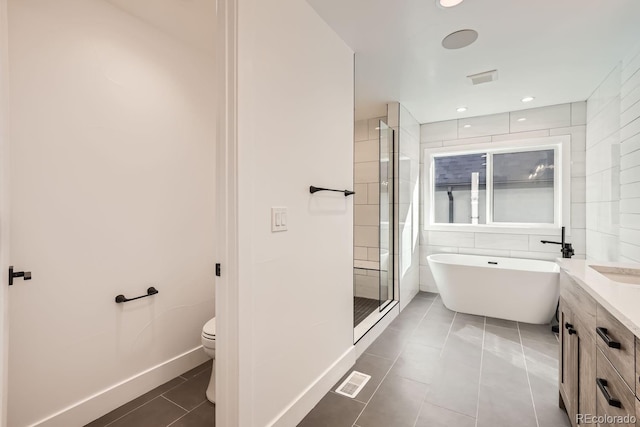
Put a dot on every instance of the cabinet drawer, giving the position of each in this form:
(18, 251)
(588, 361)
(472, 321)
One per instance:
(618, 345)
(613, 397)
(578, 300)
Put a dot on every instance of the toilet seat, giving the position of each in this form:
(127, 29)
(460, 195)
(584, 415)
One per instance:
(208, 339)
(209, 330)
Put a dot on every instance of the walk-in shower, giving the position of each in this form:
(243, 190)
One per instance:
(374, 219)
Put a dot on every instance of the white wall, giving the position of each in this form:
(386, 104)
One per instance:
(407, 210)
(295, 129)
(112, 138)
(613, 164)
(564, 119)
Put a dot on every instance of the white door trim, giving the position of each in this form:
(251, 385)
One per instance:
(227, 285)
(4, 208)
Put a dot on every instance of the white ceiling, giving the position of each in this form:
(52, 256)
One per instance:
(556, 50)
(190, 21)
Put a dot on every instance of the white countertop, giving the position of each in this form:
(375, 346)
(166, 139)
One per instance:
(620, 299)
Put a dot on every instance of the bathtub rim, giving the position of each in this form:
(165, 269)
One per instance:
(436, 258)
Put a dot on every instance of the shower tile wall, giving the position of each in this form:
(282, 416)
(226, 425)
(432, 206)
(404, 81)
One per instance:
(563, 119)
(367, 283)
(366, 251)
(367, 207)
(613, 165)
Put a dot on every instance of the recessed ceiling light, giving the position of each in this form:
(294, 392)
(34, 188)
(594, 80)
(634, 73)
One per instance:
(527, 99)
(467, 126)
(449, 3)
(461, 109)
(459, 39)
(522, 119)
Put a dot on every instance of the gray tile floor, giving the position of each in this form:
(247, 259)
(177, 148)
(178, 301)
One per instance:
(181, 402)
(433, 367)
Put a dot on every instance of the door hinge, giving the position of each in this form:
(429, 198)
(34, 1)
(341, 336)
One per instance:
(218, 270)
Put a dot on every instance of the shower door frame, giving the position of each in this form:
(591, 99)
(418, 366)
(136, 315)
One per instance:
(391, 189)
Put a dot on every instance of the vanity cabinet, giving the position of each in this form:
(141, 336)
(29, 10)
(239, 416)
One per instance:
(578, 366)
(599, 365)
(568, 368)
(617, 343)
(614, 398)
(577, 316)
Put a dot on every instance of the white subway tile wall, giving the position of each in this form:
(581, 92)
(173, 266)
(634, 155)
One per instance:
(513, 242)
(613, 165)
(366, 199)
(629, 207)
(564, 119)
(555, 116)
(493, 124)
(439, 131)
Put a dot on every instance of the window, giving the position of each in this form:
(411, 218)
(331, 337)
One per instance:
(499, 186)
(523, 187)
(460, 188)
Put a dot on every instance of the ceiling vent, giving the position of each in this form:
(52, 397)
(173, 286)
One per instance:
(486, 77)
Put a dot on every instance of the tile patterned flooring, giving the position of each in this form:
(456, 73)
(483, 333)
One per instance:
(433, 367)
(180, 402)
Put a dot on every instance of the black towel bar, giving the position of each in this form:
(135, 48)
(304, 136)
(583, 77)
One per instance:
(313, 189)
(121, 298)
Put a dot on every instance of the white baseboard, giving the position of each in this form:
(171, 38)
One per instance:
(310, 397)
(106, 400)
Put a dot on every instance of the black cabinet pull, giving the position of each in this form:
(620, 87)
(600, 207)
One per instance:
(568, 325)
(122, 298)
(572, 331)
(602, 385)
(603, 332)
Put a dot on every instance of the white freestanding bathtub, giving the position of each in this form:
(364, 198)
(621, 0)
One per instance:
(523, 290)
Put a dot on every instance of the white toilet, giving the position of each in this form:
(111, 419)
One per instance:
(209, 345)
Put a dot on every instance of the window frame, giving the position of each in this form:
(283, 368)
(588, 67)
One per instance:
(562, 184)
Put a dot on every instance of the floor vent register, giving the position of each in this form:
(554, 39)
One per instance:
(353, 384)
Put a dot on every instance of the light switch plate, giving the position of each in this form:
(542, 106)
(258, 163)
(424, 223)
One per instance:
(279, 219)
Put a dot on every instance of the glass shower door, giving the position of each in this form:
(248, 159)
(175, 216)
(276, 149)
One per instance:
(386, 191)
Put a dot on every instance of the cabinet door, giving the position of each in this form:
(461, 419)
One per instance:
(585, 353)
(568, 361)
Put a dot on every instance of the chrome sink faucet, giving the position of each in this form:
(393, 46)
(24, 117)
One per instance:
(566, 248)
